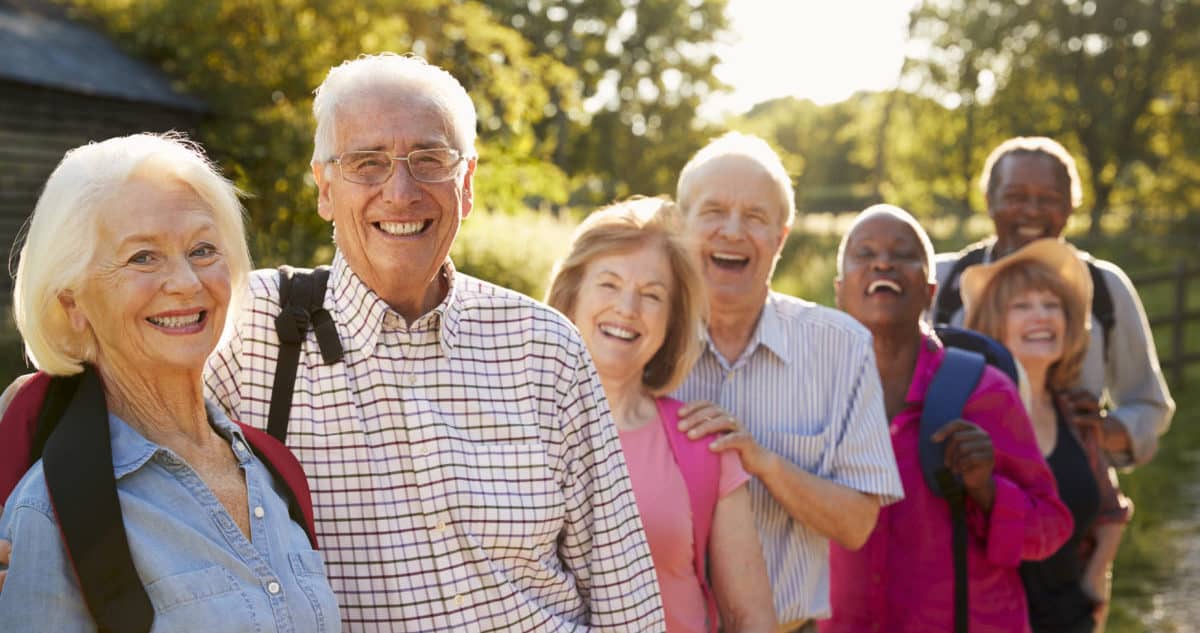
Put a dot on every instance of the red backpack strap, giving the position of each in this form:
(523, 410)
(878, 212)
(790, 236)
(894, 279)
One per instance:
(701, 470)
(18, 428)
(286, 468)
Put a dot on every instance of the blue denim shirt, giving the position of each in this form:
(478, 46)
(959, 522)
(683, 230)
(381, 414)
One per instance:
(198, 568)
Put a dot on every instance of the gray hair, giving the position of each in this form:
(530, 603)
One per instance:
(748, 146)
(894, 212)
(1068, 174)
(372, 73)
(62, 235)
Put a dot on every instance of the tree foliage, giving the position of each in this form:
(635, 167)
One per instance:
(256, 64)
(643, 68)
(1107, 78)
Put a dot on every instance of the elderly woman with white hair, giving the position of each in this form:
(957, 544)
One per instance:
(149, 509)
(903, 579)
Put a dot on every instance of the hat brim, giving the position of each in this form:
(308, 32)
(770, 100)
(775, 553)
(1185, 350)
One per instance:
(1053, 253)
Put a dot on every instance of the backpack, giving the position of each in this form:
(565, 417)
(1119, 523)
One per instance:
(949, 299)
(100, 557)
(967, 353)
(301, 294)
(64, 422)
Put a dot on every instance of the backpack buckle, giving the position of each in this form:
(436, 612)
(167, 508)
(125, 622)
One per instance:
(292, 324)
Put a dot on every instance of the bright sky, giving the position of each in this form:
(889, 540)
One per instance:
(824, 50)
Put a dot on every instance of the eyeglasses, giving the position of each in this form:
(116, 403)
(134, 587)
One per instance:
(375, 167)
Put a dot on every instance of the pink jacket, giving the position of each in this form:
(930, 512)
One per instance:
(902, 580)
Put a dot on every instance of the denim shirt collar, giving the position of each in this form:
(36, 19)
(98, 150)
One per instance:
(131, 451)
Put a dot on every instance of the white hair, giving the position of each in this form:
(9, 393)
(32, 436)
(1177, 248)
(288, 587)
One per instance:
(370, 74)
(62, 234)
(896, 213)
(748, 146)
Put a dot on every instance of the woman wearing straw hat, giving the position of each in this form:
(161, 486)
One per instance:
(1036, 301)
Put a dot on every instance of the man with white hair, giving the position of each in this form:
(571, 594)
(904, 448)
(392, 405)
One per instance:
(466, 475)
(794, 384)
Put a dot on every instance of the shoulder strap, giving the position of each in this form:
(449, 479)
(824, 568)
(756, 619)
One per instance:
(1102, 305)
(994, 352)
(951, 387)
(948, 393)
(18, 429)
(701, 470)
(286, 469)
(79, 476)
(301, 297)
(948, 300)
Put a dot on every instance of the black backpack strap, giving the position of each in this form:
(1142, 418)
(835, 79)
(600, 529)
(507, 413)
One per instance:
(77, 462)
(1102, 305)
(59, 393)
(948, 393)
(949, 300)
(301, 295)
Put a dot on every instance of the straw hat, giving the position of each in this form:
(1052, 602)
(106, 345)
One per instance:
(1053, 253)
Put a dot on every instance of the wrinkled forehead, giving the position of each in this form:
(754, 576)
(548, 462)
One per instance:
(388, 111)
(732, 179)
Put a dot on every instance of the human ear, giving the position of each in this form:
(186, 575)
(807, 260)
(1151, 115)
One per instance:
(75, 315)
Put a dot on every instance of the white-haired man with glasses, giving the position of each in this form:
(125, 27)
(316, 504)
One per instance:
(466, 474)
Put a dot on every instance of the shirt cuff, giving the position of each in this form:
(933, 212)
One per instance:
(1003, 529)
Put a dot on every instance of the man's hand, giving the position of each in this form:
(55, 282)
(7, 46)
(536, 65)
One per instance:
(702, 418)
(969, 454)
(1083, 409)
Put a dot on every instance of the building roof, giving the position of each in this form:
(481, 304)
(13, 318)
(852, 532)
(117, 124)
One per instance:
(42, 46)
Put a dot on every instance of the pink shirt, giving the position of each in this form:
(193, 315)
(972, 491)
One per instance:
(662, 500)
(902, 580)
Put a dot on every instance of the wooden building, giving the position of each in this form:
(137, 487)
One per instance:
(63, 84)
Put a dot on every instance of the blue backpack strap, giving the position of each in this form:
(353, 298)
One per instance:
(948, 392)
(994, 352)
(945, 398)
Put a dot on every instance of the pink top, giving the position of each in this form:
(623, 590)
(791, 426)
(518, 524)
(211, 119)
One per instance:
(902, 580)
(662, 500)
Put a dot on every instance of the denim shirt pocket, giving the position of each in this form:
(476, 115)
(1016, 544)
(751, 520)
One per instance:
(309, 570)
(193, 600)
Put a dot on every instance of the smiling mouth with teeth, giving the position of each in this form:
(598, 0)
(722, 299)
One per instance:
(178, 322)
(884, 285)
(729, 261)
(619, 332)
(402, 229)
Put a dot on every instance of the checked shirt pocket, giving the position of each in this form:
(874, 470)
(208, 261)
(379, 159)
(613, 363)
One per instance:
(511, 501)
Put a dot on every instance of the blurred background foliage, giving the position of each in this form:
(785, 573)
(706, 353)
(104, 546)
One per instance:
(583, 102)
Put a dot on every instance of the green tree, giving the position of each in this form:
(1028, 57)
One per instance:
(256, 64)
(643, 68)
(1102, 76)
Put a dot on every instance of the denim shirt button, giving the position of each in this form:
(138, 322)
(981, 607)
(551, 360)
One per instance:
(259, 512)
(272, 587)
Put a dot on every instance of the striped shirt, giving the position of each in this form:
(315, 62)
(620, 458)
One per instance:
(465, 471)
(806, 388)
